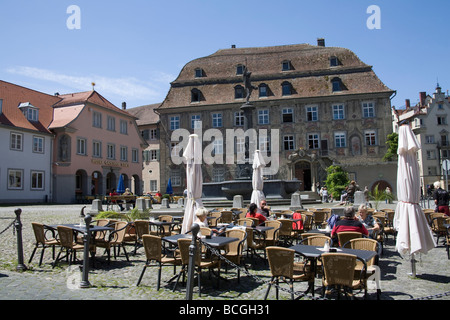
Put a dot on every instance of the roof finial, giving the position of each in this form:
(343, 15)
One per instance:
(93, 86)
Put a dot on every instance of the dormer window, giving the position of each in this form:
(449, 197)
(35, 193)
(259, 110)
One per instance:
(29, 111)
(286, 65)
(239, 69)
(286, 88)
(334, 62)
(199, 73)
(263, 90)
(196, 95)
(239, 92)
(337, 85)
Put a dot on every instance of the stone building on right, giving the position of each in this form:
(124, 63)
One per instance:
(429, 122)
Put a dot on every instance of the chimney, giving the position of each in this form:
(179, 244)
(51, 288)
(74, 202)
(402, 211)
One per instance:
(124, 106)
(233, 46)
(408, 103)
(423, 96)
(321, 42)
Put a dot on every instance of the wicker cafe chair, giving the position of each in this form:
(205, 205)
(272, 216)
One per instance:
(167, 229)
(255, 242)
(272, 236)
(142, 228)
(211, 262)
(287, 234)
(42, 242)
(114, 240)
(360, 271)
(316, 240)
(320, 218)
(346, 236)
(67, 242)
(248, 222)
(437, 225)
(214, 218)
(281, 263)
(389, 224)
(226, 217)
(307, 220)
(233, 250)
(338, 271)
(153, 252)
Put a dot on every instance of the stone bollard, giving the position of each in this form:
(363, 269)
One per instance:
(96, 207)
(296, 201)
(165, 203)
(359, 198)
(181, 202)
(238, 201)
(148, 203)
(140, 204)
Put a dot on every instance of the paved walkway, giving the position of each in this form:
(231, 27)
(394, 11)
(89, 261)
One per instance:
(117, 281)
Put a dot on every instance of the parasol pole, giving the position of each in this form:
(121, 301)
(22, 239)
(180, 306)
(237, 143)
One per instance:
(413, 265)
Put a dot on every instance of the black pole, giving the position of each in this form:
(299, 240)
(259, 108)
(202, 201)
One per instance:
(18, 225)
(192, 254)
(86, 237)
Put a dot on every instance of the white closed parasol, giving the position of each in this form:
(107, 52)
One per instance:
(414, 234)
(194, 181)
(257, 178)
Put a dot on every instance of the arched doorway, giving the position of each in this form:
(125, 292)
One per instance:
(137, 184)
(81, 184)
(302, 172)
(382, 185)
(111, 182)
(96, 186)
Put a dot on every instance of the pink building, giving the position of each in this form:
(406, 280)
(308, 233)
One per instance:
(95, 142)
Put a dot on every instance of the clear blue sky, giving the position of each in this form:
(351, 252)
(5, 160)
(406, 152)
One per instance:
(133, 49)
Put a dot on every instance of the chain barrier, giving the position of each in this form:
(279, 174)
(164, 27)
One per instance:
(10, 225)
(436, 296)
(217, 253)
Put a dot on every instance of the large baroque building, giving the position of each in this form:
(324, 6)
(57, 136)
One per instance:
(311, 105)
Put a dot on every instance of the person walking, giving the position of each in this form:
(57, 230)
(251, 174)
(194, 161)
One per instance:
(441, 198)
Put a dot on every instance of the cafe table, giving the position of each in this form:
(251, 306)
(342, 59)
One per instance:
(216, 242)
(312, 253)
(79, 228)
(161, 224)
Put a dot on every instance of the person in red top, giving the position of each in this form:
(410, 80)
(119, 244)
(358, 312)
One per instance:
(252, 213)
(114, 193)
(348, 223)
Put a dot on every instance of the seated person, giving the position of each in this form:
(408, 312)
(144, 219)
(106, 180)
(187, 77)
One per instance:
(366, 219)
(200, 219)
(252, 213)
(348, 223)
(128, 193)
(263, 208)
(114, 193)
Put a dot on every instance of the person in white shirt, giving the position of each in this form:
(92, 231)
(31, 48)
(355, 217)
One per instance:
(201, 214)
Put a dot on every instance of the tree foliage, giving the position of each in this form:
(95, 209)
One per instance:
(392, 142)
(337, 180)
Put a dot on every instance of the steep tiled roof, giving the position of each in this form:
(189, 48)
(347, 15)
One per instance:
(85, 97)
(12, 95)
(310, 75)
(145, 114)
